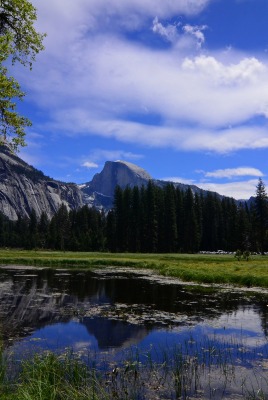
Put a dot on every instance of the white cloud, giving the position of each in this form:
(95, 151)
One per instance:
(246, 71)
(234, 172)
(196, 32)
(238, 190)
(169, 32)
(241, 190)
(223, 141)
(180, 36)
(89, 164)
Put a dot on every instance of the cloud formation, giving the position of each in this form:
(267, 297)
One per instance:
(234, 172)
(242, 190)
(239, 190)
(196, 32)
(92, 78)
(89, 164)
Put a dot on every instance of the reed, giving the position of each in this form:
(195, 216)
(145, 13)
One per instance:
(189, 370)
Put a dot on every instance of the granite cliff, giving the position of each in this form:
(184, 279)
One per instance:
(23, 189)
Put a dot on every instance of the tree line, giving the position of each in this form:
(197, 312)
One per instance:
(148, 219)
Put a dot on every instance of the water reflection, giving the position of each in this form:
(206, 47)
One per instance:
(106, 310)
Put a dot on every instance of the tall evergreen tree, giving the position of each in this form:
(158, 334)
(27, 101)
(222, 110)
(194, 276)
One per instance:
(119, 218)
(61, 224)
(33, 231)
(151, 220)
(190, 237)
(179, 218)
(261, 208)
(135, 233)
(171, 234)
(111, 231)
(43, 228)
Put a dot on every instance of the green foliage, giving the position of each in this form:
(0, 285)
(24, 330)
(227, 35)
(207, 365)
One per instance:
(12, 124)
(19, 42)
(261, 214)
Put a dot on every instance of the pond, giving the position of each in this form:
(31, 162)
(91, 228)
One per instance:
(187, 340)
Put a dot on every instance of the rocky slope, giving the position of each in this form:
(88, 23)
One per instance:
(23, 188)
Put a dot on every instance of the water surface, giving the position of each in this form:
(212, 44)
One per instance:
(107, 313)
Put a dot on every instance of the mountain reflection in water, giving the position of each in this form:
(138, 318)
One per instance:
(115, 310)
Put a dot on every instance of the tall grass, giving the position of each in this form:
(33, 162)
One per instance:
(52, 377)
(191, 370)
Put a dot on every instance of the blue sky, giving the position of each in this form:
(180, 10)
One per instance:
(178, 87)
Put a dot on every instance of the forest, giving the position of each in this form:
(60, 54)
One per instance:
(148, 220)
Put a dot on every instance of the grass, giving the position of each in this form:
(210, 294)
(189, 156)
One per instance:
(221, 269)
(51, 377)
(183, 372)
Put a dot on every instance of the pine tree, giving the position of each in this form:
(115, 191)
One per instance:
(119, 218)
(33, 231)
(190, 237)
(43, 227)
(179, 217)
(135, 233)
(171, 234)
(62, 227)
(152, 221)
(261, 208)
(111, 231)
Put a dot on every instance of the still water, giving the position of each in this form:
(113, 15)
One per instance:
(107, 313)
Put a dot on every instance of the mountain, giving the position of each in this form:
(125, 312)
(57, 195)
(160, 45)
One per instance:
(23, 188)
(99, 192)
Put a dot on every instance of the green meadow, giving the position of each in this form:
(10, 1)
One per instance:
(202, 268)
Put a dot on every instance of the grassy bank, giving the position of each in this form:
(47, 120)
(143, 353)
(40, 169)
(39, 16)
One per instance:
(188, 267)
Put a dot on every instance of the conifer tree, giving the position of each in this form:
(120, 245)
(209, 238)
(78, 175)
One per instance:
(171, 234)
(261, 208)
(190, 237)
(152, 221)
(135, 233)
(43, 228)
(111, 231)
(119, 217)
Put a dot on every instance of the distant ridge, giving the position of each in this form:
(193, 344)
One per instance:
(23, 188)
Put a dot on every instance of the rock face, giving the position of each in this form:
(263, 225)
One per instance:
(23, 189)
(100, 190)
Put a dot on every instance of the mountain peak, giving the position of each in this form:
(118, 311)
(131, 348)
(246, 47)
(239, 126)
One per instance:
(121, 173)
(136, 169)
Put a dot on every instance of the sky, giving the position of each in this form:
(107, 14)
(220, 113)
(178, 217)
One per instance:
(178, 87)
